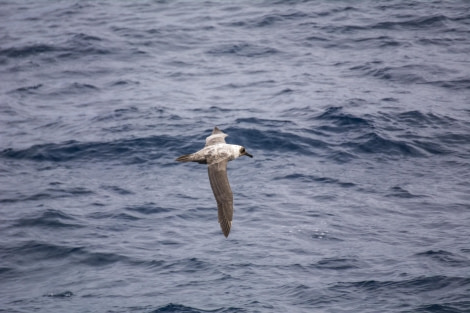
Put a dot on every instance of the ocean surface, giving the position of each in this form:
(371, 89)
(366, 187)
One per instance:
(357, 114)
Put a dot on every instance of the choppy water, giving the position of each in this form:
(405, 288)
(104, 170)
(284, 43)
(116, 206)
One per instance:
(357, 113)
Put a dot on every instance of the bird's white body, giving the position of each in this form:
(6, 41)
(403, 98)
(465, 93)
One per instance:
(216, 154)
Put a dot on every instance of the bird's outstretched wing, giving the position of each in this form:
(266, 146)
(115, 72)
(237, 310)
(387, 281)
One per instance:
(223, 194)
(216, 137)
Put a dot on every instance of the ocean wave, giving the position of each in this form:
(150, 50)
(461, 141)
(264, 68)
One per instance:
(401, 192)
(386, 133)
(148, 209)
(179, 308)
(405, 74)
(243, 49)
(40, 251)
(113, 216)
(419, 119)
(37, 251)
(49, 219)
(436, 286)
(48, 194)
(318, 179)
(336, 120)
(78, 45)
(415, 23)
(457, 306)
(45, 91)
(423, 74)
(453, 84)
(420, 284)
(338, 264)
(277, 140)
(373, 143)
(267, 20)
(28, 50)
(63, 294)
(445, 258)
(133, 150)
(29, 89)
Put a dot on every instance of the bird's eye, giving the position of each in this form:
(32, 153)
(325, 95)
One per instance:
(242, 150)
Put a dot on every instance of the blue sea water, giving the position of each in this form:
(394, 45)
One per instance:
(357, 114)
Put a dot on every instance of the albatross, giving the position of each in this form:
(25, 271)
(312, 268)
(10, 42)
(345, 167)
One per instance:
(216, 154)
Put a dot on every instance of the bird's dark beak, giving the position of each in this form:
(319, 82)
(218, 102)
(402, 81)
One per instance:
(247, 154)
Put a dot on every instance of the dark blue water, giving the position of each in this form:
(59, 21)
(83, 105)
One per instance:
(357, 114)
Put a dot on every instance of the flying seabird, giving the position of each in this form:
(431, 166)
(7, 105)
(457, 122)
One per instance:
(216, 154)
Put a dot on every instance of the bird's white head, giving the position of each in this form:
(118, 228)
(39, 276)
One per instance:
(239, 151)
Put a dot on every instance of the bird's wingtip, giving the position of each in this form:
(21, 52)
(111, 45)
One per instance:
(225, 225)
(216, 131)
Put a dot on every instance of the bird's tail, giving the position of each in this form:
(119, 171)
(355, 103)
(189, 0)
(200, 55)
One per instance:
(185, 158)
